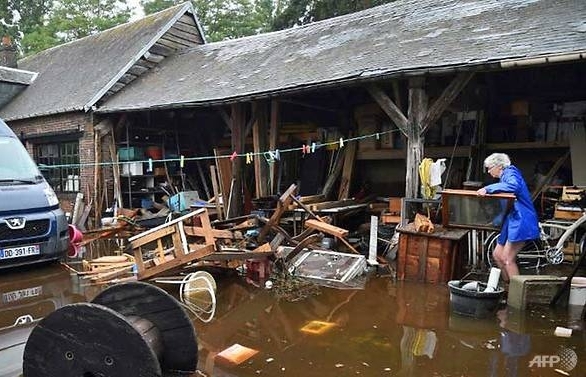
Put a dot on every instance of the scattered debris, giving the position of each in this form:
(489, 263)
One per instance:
(236, 354)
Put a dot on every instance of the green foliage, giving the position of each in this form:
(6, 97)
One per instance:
(36, 25)
(153, 6)
(301, 12)
(74, 19)
(224, 19)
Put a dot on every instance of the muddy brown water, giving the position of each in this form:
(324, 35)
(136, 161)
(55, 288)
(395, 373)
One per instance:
(386, 329)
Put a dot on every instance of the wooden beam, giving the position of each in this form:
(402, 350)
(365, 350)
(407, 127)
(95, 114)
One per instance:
(333, 177)
(273, 145)
(445, 99)
(347, 171)
(238, 126)
(389, 107)
(282, 206)
(225, 117)
(416, 113)
(260, 144)
(217, 192)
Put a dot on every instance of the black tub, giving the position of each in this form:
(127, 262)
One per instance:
(477, 304)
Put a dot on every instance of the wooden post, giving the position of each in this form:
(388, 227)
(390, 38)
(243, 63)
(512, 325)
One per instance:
(416, 113)
(259, 139)
(273, 144)
(238, 126)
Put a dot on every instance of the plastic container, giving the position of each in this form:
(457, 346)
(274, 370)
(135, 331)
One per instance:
(473, 303)
(578, 291)
(75, 235)
(130, 153)
(154, 152)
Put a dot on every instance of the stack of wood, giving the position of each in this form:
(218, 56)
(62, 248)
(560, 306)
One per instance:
(108, 268)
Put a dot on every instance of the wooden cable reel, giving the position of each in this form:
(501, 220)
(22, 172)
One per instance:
(131, 329)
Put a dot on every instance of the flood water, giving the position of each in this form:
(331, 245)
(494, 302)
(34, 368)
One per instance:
(388, 328)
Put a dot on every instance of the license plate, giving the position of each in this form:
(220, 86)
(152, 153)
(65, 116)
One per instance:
(22, 294)
(17, 252)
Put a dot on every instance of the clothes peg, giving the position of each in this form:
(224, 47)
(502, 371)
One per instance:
(341, 142)
(150, 167)
(182, 162)
(233, 156)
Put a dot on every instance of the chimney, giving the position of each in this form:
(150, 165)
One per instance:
(7, 53)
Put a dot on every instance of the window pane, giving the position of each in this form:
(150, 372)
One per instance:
(62, 164)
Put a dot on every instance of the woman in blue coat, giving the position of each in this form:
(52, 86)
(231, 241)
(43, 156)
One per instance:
(520, 224)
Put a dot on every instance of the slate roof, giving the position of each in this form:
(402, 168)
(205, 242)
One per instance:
(72, 74)
(403, 36)
(12, 82)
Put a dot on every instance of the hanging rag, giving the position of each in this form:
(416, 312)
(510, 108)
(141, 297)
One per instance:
(430, 174)
(427, 191)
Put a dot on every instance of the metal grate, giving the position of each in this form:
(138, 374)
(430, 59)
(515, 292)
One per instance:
(33, 228)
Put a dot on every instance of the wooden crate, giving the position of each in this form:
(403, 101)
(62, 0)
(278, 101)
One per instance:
(430, 257)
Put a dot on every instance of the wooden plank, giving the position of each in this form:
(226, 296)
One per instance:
(347, 171)
(217, 192)
(333, 177)
(331, 204)
(503, 195)
(326, 228)
(282, 206)
(224, 169)
(237, 255)
(168, 224)
(216, 233)
(152, 237)
(312, 198)
(176, 262)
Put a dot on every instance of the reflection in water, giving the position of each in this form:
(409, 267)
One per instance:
(386, 329)
(29, 295)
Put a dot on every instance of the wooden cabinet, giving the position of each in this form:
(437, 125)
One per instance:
(430, 257)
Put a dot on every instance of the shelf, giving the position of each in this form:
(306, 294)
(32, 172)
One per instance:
(460, 151)
(400, 154)
(143, 192)
(527, 145)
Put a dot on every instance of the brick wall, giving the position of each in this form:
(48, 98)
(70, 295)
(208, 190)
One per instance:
(75, 121)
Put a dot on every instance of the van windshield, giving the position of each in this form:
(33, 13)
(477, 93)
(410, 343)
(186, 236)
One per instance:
(16, 165)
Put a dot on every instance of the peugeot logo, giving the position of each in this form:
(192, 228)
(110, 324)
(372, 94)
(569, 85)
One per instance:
(16, 222)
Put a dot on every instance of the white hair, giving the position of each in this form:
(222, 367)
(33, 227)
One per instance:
(497, 159)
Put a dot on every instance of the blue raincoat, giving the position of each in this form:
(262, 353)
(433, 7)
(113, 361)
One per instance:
(521, 223)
